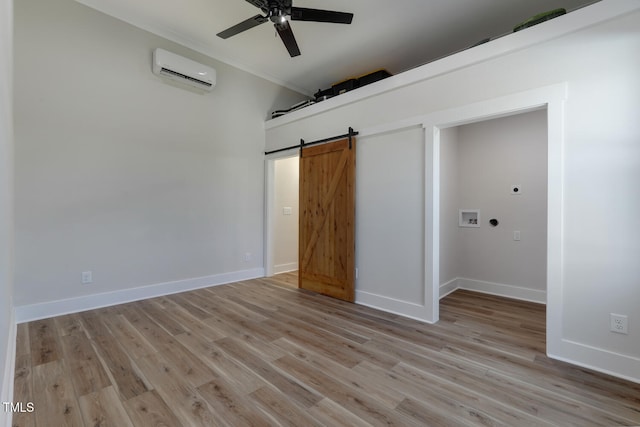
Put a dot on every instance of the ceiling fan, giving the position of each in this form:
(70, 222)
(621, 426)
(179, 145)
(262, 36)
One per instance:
(277, 12)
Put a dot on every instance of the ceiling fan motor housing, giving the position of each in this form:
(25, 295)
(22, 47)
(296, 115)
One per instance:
(277, 12)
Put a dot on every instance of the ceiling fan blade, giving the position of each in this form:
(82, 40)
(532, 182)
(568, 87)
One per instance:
(243, 26)
(260, 4)
(289, 40)
(318, 15)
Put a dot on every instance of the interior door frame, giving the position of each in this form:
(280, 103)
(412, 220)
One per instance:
(269, 203)
(552, 98)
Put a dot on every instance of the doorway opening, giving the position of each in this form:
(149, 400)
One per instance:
(493, 207)
(282, 212)
(551, 99)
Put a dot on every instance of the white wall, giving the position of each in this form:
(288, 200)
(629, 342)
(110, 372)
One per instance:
(7, 326)
(600, 163)
(491, 156)
(286, 180)
(389, 215)
(117, 172)
(450, 258)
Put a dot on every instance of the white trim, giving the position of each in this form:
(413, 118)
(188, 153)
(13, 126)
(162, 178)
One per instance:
(269, 219)
(449, 287)
(583, 18)
(432, 221)
(503, 290)
(393, 305)
(285, 268)
(491, 288)
(555, 224)
(600, 360)
(26, 313)
(552, 97)
(9, 369)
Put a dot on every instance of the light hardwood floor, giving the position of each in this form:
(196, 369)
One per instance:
(260, 353)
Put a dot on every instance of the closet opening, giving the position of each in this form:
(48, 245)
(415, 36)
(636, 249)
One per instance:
(281, 228)
(493, 209)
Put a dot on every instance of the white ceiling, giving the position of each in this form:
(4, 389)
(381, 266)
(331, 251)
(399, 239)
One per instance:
(394, 35)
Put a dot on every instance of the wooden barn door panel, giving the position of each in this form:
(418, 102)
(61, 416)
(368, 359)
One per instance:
(327, 219)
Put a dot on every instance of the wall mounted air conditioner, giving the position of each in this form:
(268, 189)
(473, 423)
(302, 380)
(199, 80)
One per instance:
(183, 70)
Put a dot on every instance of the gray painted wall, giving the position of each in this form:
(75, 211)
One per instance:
(6, 205)
(286, 180)
(479, 169)
(119, 173)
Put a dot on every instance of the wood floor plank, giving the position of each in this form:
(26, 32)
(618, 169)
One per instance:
(132, 341)
(329, 413)
(154, 308)
(23, 387)
(230, 406)
(82, 365)
(241, 378)
(181, 396)
(104, 408)
(281, 408)
(188, 365)
(304, 396)
(262, 352)
(54, 399)
(23, 343)
(149, 410)
(437, 413)
(121, 368)
(386, 397)
(43, 341)
(68, 324)
(172, 313)
(351, 399)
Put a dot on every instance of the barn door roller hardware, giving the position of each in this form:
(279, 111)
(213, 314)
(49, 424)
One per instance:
(303, 144)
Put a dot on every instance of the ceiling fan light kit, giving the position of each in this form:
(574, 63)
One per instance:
(277, 12)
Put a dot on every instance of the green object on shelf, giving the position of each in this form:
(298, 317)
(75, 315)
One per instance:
(539, 18)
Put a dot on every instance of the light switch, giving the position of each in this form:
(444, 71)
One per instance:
(287, 210)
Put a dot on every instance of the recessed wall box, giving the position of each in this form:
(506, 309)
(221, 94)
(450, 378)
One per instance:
(469, 218)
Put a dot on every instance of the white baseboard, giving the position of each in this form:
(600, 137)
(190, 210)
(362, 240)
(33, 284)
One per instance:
(26, 313)
(285, 268)
(500, 289)
(598, 359)
(448, 287)
(391, 305)
(6, 417)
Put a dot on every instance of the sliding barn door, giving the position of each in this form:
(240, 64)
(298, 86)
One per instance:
(327, 219)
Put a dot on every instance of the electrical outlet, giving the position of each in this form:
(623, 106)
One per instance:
(87, 277)
(247, 257)
(619, 323)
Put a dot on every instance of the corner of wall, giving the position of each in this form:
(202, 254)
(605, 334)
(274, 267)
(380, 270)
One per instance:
(597, 359)
(27, 313)
(8, 371)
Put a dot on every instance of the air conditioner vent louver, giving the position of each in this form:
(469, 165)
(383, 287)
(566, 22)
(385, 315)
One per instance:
(183, 76)
(183, 70)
